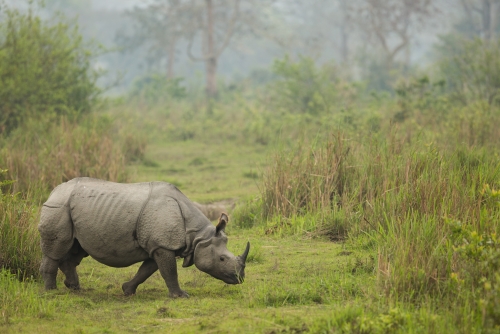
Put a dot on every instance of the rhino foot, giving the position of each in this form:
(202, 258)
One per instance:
(178, 294)
(72, 286)
(129, 289)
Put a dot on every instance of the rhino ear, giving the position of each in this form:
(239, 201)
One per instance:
(222, 223)
(188, 261)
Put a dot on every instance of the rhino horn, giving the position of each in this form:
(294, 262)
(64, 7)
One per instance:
(243, 256)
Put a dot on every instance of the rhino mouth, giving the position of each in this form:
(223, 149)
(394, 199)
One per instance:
(234, 279)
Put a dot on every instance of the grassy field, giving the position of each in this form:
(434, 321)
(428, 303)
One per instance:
(203, 171)
(292, 284)
(296, 283)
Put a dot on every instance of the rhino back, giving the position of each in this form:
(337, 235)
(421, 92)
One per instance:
(104, 216)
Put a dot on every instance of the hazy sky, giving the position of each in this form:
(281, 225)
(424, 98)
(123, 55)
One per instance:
(118, 4)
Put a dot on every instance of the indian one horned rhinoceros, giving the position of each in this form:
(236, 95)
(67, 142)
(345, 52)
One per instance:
(122, 224)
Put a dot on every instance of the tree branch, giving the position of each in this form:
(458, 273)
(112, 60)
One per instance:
(231, 29)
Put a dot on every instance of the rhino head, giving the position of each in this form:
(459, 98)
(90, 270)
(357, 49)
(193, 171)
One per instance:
(213, 257)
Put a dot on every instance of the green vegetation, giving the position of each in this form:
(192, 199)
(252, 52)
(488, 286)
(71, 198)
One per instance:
(20, 243)
(44, 69)
(367, 212)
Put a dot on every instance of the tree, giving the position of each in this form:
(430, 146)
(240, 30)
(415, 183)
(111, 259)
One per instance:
(482, 16)
(210, 23)
(217, 26)
(159, 26)
(392, 24)
(45, 68)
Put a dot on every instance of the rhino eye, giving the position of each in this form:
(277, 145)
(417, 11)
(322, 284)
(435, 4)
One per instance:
(222, 258)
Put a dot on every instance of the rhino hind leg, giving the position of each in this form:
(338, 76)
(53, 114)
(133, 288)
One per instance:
(69, 263)
(165, 259)
(48, 270)
(147, 268)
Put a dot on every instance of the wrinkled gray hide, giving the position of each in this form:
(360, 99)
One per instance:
(122, 224)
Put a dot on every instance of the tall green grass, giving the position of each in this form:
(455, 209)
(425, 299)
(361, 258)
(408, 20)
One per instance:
(21, 299)
(19, 240)
(409, 194)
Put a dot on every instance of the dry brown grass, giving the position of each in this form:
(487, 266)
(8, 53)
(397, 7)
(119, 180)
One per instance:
(45, 155)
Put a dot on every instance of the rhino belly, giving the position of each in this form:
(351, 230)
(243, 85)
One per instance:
(105, 217)
(117, 253)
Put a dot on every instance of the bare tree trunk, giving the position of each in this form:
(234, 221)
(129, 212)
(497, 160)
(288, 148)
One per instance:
(211, 62)
(344, 35)
(486, 18)
(494, 18)
(171, 58)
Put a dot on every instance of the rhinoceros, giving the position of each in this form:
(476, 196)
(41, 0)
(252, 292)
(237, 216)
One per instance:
(121, 224)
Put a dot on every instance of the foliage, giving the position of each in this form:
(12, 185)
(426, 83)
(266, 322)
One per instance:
(303, 88)
(156, 88)
(471, 68)
(45, 69)
(477, 261)
(19, 241)
(421, 96)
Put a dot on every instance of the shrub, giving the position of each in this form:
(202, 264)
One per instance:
(471, 68)
(303, 88)
(44, 69)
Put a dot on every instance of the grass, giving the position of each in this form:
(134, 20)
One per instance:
(205, 172)
(296, 285)
(292, 279)
(19, 240)
(393, 265)
(44, 153)
(357, 231)
(22, 300)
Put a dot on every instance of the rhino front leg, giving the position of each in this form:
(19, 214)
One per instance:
(165, 260)
(147, 268)
(69, 263)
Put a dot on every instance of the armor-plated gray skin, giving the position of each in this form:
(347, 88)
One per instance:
(122, 224)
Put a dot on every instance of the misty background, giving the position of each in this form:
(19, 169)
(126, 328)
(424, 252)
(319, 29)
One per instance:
(369, 40)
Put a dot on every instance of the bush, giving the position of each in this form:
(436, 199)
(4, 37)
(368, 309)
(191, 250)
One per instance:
(402, 193)
(471, 68)
(44, 69)
(303, 88)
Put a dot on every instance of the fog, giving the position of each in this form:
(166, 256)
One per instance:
(155, 36)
